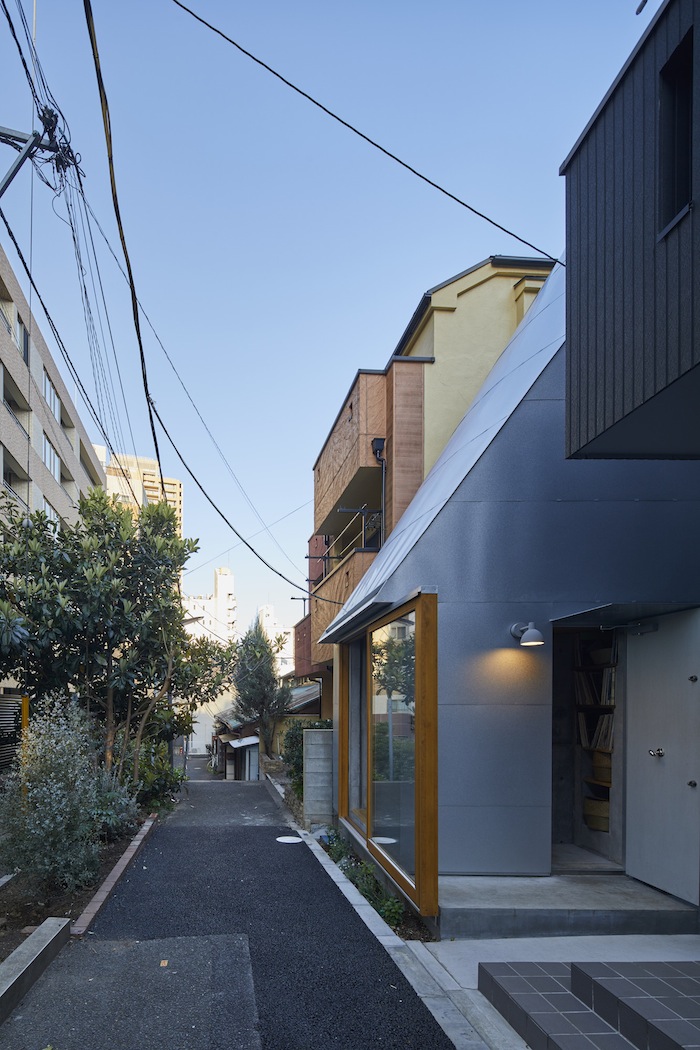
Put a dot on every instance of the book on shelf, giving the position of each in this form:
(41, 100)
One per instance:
(603, 735)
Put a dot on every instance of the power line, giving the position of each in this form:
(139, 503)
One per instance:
(117, 214)
(361, 134)
(251, 537)
(227, 522)
(265, 526)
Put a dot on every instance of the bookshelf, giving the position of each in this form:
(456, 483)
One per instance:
(595, 669)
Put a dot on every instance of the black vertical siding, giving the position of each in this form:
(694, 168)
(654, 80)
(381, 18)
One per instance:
(631, 295)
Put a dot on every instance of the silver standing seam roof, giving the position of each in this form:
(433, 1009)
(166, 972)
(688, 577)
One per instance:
(537, 339)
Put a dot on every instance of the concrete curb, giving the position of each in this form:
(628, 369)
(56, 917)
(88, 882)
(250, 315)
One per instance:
(82, 923)
(27, 963)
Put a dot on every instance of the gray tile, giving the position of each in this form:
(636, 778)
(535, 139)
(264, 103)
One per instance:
(533, 1002)
(572, 1042)
(648, 1007)
(519, 984)
(563, 1001)
(681, 1032)
(633, 1026)
(588, 1022)
(535, 1036)
(612, 1041)
(525, 969)
(683, 1005)
(651, 986)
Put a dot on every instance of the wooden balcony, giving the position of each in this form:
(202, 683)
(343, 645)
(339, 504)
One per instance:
(347, 470)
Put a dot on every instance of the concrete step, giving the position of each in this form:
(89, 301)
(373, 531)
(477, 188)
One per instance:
(479, 907)
(583, 1006)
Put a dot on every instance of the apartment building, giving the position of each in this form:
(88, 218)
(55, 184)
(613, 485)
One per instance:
(48, 461)
(213, 615)
(135, 481)
(395, 422)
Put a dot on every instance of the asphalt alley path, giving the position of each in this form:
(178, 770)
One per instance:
(221, 937)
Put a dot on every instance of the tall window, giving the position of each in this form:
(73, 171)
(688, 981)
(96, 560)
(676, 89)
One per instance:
(675, 132)
(52, 459)
(23, 339)
(393, 654)
(51, 397)
(50, 511)
(387, 741)
(357, 735)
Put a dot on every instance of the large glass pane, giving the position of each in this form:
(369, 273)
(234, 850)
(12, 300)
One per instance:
(357, 735)
(393, 726)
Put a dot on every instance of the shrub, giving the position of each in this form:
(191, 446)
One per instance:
(116, 809)
(158, 781)
(293, 750)
(48, 809)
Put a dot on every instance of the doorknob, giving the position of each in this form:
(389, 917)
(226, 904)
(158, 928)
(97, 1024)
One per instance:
(659, 753)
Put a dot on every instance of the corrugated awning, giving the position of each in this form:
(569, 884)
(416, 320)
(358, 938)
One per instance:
(246, 741)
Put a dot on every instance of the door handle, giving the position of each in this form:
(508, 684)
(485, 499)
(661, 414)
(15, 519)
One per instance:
(659, 753)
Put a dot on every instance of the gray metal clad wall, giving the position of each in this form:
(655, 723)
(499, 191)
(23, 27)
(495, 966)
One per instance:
(630, 297)
(531, 535)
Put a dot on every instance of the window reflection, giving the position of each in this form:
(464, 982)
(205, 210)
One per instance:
(393, 740)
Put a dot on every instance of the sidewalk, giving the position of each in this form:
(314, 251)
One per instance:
(223, 935)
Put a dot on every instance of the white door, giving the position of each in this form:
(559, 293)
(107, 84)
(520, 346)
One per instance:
(663, 756)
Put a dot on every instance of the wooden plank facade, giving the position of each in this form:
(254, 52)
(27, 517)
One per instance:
(633, 265)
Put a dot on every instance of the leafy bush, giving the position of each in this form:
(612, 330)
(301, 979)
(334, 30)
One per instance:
(116, 809)
(293, 749)
(158, 781)
(48, 809)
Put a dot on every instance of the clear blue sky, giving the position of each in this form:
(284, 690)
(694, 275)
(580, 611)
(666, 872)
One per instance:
(275, 252)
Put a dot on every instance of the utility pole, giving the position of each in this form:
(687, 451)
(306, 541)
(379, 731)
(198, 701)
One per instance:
(35, 141)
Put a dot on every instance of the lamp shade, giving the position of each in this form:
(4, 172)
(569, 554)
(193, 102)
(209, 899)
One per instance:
(531, 636)
(527, 634)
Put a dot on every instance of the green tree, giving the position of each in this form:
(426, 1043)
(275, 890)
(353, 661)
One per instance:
(259, 696)
(94, 609)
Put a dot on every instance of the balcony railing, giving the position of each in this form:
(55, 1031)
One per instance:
(15, 495)
(12, 413)
(362, 533)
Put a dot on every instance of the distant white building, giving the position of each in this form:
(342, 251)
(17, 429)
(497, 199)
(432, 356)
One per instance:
(211, 616)
(285, 657)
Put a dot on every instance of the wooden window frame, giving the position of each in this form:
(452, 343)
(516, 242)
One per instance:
(423, 890)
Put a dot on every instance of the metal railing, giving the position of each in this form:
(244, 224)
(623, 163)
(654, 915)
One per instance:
(14, 416)
(15, 495)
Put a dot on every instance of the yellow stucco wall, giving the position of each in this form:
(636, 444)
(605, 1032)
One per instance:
(469, 323)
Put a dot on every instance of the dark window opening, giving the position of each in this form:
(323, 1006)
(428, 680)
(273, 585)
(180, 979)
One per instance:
(675, 127)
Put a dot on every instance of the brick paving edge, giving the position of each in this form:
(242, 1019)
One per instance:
(81, 925)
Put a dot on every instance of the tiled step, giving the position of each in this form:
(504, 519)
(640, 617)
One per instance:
(656, 1006)
(536, 1000)
(598, 1006)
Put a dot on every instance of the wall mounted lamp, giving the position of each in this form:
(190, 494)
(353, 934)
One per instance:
(527, 633)
(378, 447)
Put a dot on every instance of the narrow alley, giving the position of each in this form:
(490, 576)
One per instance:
(223, 935)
